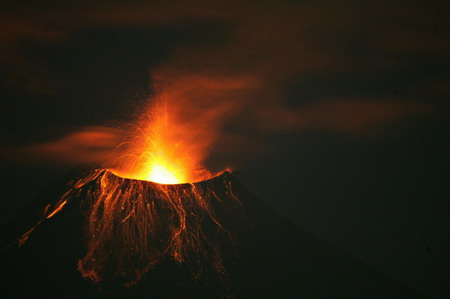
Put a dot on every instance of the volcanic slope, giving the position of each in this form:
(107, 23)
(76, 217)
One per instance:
(268, 258)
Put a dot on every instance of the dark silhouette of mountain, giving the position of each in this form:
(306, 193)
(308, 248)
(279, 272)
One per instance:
(271, 258)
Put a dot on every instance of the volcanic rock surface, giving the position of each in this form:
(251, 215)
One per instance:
(270, 258)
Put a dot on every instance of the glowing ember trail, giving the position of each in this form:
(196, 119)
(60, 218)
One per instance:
(146, 209)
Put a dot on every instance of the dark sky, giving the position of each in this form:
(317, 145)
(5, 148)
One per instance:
(335, 112)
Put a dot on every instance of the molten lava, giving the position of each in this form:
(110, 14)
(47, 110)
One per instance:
(160, 149)
(137, 218)
(162, 173)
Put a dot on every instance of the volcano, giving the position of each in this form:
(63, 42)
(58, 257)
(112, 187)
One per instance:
(236, 246)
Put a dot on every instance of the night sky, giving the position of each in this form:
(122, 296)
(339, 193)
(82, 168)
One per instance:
(334, 114)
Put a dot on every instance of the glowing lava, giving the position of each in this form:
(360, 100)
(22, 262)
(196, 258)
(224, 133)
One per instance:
(161, 173)
(132, 225)
(160, 149)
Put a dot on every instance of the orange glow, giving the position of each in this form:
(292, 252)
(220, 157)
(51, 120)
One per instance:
(58, 208)
(134, 225)
(161, 150)
(163, 173)
(145, 207)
